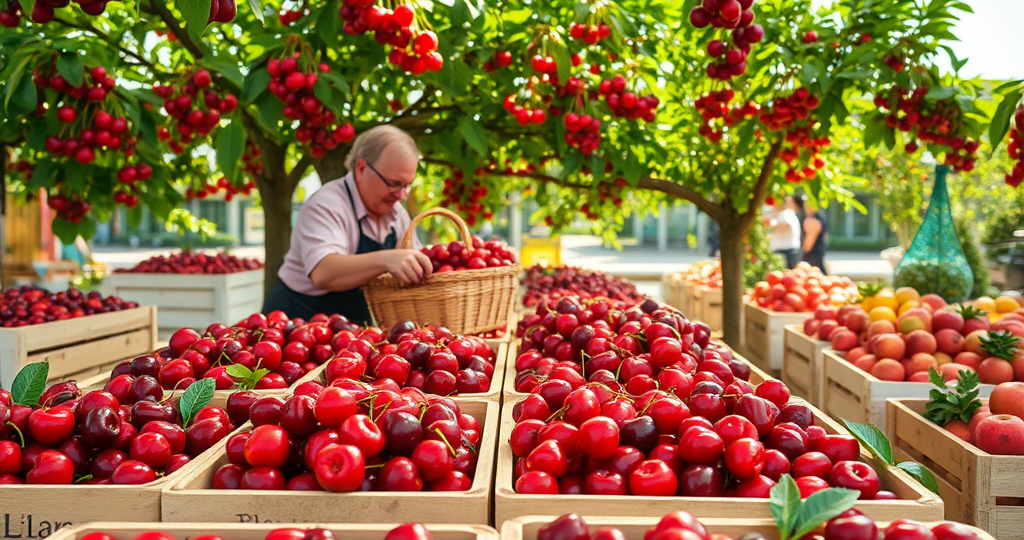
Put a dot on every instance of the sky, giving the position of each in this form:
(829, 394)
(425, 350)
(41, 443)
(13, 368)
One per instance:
(992, 39)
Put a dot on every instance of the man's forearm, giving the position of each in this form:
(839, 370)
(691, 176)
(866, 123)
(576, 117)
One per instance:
(338, 272)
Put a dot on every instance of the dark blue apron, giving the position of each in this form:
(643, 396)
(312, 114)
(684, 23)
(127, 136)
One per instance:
(350, 303)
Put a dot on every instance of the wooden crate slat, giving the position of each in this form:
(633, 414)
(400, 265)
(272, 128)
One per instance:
(190, 499)
(78, 358)
(709, 306)
(253, 531)
(60, 333)
(802, 364)
(765, 335)
(1007, 523)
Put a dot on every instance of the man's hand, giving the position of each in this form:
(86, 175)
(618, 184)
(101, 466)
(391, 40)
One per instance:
(408, 266)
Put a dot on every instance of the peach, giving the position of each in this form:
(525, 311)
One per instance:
(949, 341)
(1014, 327)
(844, 312)
(825, 328)
(921, 362)
(915, 319)
(944, 319)
(960, 429)
(881, 327)
(1008, 398)
(1018, 365)
(811, 327)
(866, 363)
(882, 313)
(906, 294)
(826, 313)
(985, 303)
(853, 354)
(890, 346)
(920, 341)
(942, 358)
(857, 320)
(972, 342)
(1013, 317)
(949, 371)
(919, 377)
(979, 415)
(844, 340)
(968, 359)
(973, 325)
(934, 300)
(889, 370)
(995, 371)
(1001, 435)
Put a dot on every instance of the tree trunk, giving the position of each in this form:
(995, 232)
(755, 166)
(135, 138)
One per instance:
(277, 188)
(332, 165)
(732, 239)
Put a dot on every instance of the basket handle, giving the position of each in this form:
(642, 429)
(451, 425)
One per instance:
(467, 239)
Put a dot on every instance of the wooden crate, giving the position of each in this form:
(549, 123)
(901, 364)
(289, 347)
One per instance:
(802, 360)
(526, 527)
(972, 482)
(916, 501)
(855, 395)
(37, 510)
(192, 301)
(708, 306)
(191, 499)
(763, 335)
(78, 348)
(510, 329)
(254, 531)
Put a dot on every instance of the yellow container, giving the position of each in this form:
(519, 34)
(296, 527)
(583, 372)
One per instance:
(542, 251)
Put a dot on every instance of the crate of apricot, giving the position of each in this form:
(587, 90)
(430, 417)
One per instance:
(375, 454)
(471, 290)
(69, 456)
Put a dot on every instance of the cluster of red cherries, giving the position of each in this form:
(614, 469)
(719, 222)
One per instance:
(715, 105)
(849, 525)
(501, 59)
(465, 197)
(413, 49)
(431, 359)
(556, 283)
(10, 16)
(625, 103)
(194, 107)
(456, 256)
(929, 122)
(222, 11)
(279, 349)
(187, 262)
(591, 34)
(406, 531)
(290, 17)
(223, 184)
(101, 437)
(293, 85)
(524, 115)
(801, 140)
(737, 17)
(353, 438)
(1016, 148)
(582, 132)
(43, 11)
(27, 305)
(71, 209)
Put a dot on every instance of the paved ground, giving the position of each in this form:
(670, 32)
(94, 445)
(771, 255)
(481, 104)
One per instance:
(585, 251)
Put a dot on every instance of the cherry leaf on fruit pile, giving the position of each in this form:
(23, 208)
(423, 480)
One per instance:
(245, 377)
(822, 506)
(196, 396)
(30, 383)
(70, 66)
(921, 474)
(785, 505)
(948, 404)
(196, 13)
(873, 438)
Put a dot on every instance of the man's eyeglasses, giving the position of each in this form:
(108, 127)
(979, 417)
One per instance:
(395, 188)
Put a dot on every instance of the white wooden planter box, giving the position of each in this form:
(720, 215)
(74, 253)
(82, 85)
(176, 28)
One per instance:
(191, 300)
(802, 360)
(763, 337)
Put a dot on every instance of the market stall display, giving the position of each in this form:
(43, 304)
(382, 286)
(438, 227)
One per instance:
(544, 283)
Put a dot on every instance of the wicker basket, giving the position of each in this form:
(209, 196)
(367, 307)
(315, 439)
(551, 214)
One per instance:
(466, 302)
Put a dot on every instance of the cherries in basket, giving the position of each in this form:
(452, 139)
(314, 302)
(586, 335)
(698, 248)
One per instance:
(406, 531)
(454, 256)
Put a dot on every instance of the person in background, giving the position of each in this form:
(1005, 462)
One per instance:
(815, 235)
(785, 226)
(713, 240)
(347, 232)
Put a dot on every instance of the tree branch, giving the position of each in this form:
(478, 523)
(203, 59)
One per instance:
(300, 168)
(106, 37)
(760, 192)
(159, 8)
(679, 191)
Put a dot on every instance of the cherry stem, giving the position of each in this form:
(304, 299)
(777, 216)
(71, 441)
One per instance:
(21, 436)
(445, 441)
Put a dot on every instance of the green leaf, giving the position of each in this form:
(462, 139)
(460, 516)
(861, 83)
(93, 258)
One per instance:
(257, 10)
(937, 93)
(196, 396)
(1001, 119)
(822, 506)
(936, 378)
(563, 59)
(70, 66)
(14, 81)
(517, 16)
(25, 97)
(873, 438)
(921, 474)
(43, 175)
(254, 85)
(238, 371)
(322, 90)
(230, 147)
(327, 24)
(224, 67)
(27, 6)
(474, 134)
(196, 13)
(30, 383)
(785, 505)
